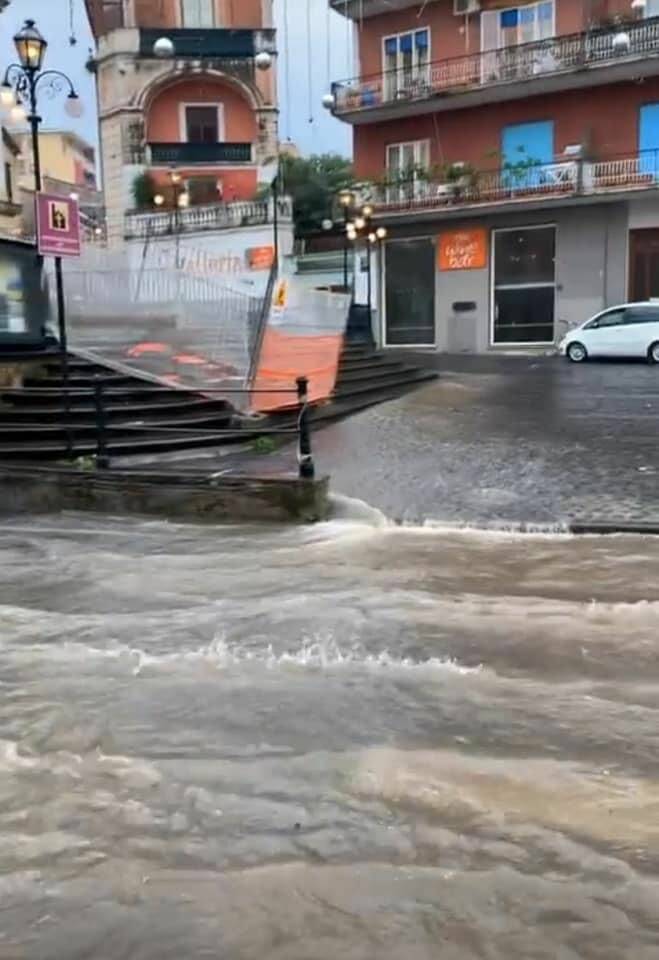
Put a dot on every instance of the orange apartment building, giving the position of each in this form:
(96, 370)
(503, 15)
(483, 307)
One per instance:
(512, 151)
(184, 86)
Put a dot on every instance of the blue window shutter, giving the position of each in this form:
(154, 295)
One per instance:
(390, 45)
(421, 39)
(527, 15)
(648, 138)
(406, 43)
(546, 11)
(509, 18)
(528, 141)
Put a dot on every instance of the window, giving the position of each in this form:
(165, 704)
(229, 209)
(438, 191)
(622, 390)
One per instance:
(405, 63)
(524, 285)
(405, 161)
(651, 8)
(524, 148)
(202, 123)
(503, 29)
(612, 318)
(642, 315)
(197, 13)
(515, 25)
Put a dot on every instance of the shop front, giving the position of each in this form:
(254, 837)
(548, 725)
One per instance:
(507, 283)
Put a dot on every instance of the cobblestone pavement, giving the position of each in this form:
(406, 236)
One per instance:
(507, 440)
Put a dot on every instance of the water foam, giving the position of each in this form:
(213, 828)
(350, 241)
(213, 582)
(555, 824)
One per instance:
(318, 652)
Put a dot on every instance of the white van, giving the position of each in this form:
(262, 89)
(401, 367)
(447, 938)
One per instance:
(629, 330)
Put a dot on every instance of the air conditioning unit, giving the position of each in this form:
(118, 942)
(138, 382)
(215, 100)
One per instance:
(462, 7)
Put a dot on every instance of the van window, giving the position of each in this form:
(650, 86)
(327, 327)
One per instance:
(612, 318)
(642, 315)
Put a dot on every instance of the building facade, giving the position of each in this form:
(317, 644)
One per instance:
(10, 208)
(65, 157)
(185, 86)
(512, 151)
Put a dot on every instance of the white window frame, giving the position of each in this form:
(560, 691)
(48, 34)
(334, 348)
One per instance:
(518, 6)
(519, 286)
(420, 148)
(199, 26)
(393, 82)
(183, 126)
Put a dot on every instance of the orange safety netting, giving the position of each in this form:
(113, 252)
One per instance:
(285, 357)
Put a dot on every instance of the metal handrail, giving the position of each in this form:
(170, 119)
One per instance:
(565, 176)
(490, 67)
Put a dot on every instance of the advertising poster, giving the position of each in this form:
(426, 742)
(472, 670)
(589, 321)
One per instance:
(24, 305)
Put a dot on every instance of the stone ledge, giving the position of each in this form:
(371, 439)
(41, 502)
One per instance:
(182, 496)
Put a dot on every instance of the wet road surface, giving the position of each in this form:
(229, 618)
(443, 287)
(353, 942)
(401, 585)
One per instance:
(507, 440)
(355, 740)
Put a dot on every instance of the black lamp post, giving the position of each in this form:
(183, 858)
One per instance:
(346, 201)
(23, 80)
(21, 85)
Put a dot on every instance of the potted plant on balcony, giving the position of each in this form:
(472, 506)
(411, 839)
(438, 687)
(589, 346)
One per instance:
(144, 190)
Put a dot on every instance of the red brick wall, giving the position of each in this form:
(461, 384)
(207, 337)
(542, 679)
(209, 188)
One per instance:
(603, 118)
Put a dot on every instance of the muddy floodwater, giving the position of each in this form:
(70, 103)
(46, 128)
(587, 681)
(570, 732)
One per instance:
(353, 741)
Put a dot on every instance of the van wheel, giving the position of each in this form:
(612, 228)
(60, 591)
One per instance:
(577, 353)
(653, 353)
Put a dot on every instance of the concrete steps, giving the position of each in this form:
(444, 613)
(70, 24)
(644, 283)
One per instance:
(141, 416)
(367, 376)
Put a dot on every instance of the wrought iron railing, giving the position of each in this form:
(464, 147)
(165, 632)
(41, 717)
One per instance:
(519, 182)
(200, 153)
(491, 67)
(209, 43)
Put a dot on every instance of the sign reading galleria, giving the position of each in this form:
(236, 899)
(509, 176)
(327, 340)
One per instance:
(463, 249)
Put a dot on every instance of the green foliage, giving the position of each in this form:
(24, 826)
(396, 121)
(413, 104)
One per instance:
(144, 190)
(313, 183)
(264, 445)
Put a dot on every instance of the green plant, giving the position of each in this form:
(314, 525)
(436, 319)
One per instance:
(144, 190)
(85, 464)
(264, 445)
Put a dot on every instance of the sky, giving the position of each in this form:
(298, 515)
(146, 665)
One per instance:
(306, 64)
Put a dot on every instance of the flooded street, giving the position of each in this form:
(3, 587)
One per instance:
(354, 740)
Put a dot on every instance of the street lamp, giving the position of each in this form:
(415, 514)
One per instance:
(23, 80)
(346, 201)
(21, 86)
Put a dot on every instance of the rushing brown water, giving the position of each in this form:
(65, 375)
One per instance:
(348, 741)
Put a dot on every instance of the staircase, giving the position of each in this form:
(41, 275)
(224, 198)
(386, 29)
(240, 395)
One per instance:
(141, 417)
(367, 376)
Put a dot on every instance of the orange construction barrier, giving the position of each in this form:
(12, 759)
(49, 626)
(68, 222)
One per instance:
(286, 356)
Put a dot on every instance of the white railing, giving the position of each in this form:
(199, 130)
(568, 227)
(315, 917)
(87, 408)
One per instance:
(519, 183)
(505, 65)
(212, 216)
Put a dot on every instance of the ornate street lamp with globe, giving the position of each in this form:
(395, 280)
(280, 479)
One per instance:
(25, 80)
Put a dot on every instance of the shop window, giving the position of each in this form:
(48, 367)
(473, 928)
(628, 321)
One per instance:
(524, 285)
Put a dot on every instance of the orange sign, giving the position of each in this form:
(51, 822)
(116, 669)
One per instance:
(463, 249)
(260, 258)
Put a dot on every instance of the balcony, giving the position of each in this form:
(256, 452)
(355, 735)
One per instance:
(204, 154)
(210, 44)
(574, 60)
(207, 216)
(516, 185)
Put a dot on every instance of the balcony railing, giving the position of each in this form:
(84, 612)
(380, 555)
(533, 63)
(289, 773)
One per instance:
(544, 181)
(200, 153)
(493, 67)
(210, 44)
(208, 216)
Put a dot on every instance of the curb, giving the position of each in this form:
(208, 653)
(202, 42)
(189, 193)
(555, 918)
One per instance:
(610, 527)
